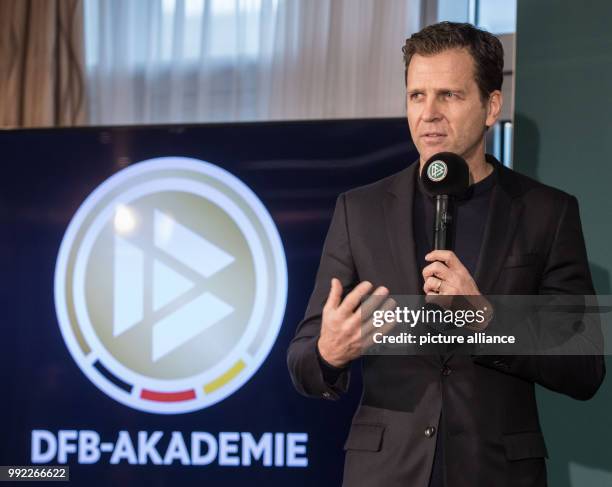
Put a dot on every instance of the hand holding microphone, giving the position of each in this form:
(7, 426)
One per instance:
(446, 176)
(446, 275)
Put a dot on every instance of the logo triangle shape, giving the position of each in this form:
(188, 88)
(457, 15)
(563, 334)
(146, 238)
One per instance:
(167, 285)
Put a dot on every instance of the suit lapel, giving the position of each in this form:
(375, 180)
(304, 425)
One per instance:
(504, 215)
(398, 211)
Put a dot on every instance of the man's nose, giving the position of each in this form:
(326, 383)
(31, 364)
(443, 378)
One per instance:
(431, 110)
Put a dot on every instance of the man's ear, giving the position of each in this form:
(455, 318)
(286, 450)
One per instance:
(494, 107)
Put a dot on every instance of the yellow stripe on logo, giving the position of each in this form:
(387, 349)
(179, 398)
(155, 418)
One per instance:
(225, 377)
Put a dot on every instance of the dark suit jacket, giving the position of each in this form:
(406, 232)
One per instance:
(533, 244)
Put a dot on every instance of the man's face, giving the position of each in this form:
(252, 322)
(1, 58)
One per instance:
(445, 112)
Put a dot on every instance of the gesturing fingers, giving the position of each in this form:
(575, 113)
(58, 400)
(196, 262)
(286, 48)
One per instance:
(367, 326)
(354, 298)
(372, 302)
(335, 295)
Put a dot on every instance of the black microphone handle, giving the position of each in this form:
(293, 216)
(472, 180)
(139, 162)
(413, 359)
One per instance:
(443, 223)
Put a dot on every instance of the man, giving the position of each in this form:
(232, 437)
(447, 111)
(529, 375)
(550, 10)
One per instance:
(454, 420)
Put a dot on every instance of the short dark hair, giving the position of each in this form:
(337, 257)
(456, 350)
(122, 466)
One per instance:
(485, 49)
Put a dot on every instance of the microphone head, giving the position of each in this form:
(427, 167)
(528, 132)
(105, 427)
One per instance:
(445, 173)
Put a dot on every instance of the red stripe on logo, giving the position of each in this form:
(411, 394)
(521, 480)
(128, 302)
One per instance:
(168, 396)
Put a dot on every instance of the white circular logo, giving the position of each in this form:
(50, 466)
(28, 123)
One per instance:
(170, 285)
(437, 171)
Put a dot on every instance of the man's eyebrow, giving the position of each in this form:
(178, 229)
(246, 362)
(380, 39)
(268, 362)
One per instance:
(438, 91)
(452, 90)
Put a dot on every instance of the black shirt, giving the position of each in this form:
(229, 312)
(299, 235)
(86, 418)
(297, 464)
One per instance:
(470, 219)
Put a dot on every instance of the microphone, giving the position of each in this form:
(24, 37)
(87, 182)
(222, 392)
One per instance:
(445, 176)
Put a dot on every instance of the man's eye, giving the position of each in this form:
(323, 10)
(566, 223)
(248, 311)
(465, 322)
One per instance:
(449, 94)
(414, 96)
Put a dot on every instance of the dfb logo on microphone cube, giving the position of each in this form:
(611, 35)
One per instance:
(437, 171)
